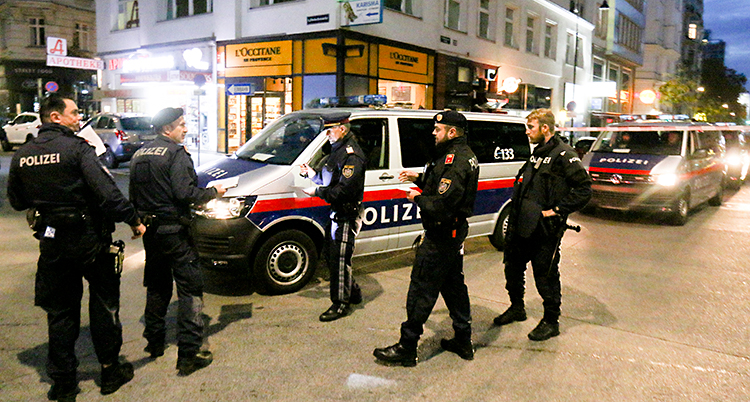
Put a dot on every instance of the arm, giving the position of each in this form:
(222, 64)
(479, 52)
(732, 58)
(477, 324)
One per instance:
(184, 184)
(578, 181)
(349, 188)
(15, 188)
(446, 204)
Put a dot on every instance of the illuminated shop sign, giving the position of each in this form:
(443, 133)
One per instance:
(259, 54)
(393, 58)
(145, 64)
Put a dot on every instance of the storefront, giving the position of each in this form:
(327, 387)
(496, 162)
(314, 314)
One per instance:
(260, 81)
(149, 80)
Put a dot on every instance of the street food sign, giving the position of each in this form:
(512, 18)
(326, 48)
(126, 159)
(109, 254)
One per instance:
(361, 12)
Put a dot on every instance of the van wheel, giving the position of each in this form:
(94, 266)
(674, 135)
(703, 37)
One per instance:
(285, 263)
(497, 238)
(29, 138)
(7, 146)
(108, 159)
(680, 210)
(717, 199)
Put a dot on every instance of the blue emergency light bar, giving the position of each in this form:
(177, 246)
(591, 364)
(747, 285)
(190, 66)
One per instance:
(349, 101)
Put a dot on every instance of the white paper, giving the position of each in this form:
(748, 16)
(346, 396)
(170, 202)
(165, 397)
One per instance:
(226, 183)
(93, 139)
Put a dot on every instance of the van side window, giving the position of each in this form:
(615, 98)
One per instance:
(417, 141)
(494, 141)
(372, 135)
(103, 122)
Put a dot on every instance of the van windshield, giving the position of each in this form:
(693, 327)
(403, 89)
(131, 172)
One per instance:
(640, 142)
(281, 142)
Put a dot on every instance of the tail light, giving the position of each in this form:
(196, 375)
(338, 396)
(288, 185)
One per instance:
(121, 135)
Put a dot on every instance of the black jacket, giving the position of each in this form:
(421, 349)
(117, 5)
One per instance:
(163, 180)
(449, 186)
(552, 178)
(343, 176)
(59, 170)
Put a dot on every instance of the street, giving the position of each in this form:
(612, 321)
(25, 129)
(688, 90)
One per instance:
(651, 312)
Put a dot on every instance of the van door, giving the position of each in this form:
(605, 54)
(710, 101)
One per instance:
(379, 224)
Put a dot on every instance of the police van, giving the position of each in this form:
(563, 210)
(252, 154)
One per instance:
(267, 225)
(668, 167)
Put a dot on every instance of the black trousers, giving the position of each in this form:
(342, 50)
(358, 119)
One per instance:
(171, 257)
(340, 237)
(438, 270)
(543, 253)
(67, 255)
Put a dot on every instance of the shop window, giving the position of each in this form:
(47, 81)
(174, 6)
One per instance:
(417, 141)
(411, 7)
(372, 136)
(186, 8)
(403, 95)
(127, 15)
(485, 21)
(36, 28)
(498, 141)
(454, 15)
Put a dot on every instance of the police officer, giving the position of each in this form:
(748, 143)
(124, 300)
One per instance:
(342, 184)
(73, 202)
(163, 187)
(449, 187)
(551, 185)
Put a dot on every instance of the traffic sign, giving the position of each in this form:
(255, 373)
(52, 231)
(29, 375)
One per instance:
(241, 89)
(361, 12)
(51, 86)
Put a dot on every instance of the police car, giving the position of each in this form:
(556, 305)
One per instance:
(267, 225)
(663, 166)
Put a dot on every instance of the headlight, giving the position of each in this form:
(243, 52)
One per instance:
(225, 208)
(666, 180)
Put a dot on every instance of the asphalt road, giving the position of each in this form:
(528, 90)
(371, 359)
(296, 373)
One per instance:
(651, 312)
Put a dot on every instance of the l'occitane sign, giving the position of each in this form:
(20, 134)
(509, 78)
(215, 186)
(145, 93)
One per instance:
(259, 54)
(397, 59)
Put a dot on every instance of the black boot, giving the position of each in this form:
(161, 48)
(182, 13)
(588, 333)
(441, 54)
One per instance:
(512, 314)
(397, 354)
(115, 376)
(464, 349)
(63, 391)
(547, 328)
(155, 349)
(187, 365)
(336, 311)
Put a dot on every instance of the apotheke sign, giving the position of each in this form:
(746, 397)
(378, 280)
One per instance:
(57, 50)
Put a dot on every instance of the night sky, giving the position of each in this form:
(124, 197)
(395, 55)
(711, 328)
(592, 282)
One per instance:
(729, 20)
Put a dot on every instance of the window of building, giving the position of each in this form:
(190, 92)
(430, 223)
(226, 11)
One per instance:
(510, 16)
(36, 27)
(693, 31)
(626, 95)
(600, 23)
(81, 39)
(464, 74)
(530, 28)
(574, 50)
(638, 4)
(454, 18)
(529, 97)
(549, 40)
(127, 15)
(484, 30)
(629, 34)
(411, 7)
(186, 8)
(259, 3)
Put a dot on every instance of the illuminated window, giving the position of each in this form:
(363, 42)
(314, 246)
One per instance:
(127, 15)
(36, 26)
(693, 31)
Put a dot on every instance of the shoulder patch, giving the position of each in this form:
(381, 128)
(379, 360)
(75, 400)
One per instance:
(445, 184)
(349, 149)
(449, 160)
(348, 171)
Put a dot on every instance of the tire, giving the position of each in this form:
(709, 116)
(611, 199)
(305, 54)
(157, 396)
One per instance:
(717, 199)
(497, 238)
(7, 146)
(285, 263)
(29, 138)
(109, 160)
(680, 210)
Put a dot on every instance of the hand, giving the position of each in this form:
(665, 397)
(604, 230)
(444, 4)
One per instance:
(309, 191)
(408, 175)
(548, 213)
(411, 194)
(306, 171)
(138, 231)
(220, 190)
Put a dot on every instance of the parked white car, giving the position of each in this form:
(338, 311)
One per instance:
(23, 128)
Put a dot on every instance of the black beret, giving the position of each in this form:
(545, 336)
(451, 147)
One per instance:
(451, 118)
(166, 116)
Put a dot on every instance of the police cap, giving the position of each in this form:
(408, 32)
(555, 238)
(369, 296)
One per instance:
(166, 116)
(451, 118)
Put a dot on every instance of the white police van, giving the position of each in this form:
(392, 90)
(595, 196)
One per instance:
(267, 225)
(667, 167)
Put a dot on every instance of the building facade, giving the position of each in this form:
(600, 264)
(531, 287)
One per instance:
(263, 58)
(25, 77)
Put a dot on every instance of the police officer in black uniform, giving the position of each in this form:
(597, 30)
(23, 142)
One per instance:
(551, 185)
(163, 187)
(73, 203)
(342, 184)
(449, 187)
